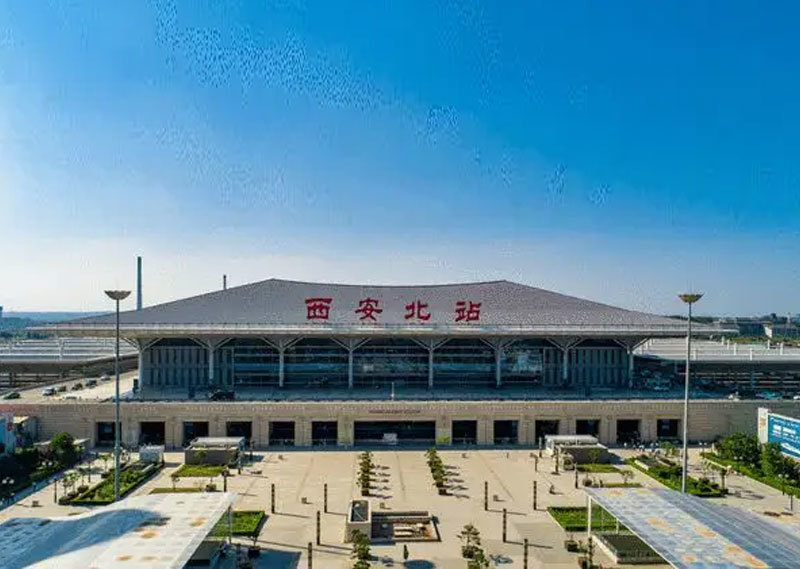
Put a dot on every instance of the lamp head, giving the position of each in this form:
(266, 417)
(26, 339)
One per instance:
(117, 294)
(690, 297)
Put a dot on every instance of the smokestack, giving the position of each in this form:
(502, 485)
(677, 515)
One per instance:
(224, 282)
(138, 283)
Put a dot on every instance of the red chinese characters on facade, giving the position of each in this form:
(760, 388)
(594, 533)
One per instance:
(468, 311)
(368, 308)
(318, 308)
(418, 310)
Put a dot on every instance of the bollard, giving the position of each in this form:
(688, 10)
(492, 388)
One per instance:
(272, 497)
(325, 498)
(525, 554)
(536, 464)
(310, 555)
(535, 505)
(540, 447)
(319, 529)
(576, 477)
(505, 522)
(485, 496)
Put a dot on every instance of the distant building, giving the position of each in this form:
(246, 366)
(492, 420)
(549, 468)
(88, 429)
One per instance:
(746, 326)
(781, 331)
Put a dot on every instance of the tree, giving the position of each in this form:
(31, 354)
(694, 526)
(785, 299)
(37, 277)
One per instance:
(668, 448)
(594, 455)
(478, 560)
(174, 478)
(472, 541)
(740, 447)
(627, 475)
(62, 449)
(360, 548)
(773, 462)
(104, 458)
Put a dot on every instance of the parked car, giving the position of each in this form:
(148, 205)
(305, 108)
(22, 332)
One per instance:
(768, 395)
(221, 395)
(105, 377)
(12, 395)
(77, 387)
(91, 383)
(61, 388)
(47, 391)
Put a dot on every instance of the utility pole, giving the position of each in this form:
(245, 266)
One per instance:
(485, 496)
(505, 524)
(272, 497)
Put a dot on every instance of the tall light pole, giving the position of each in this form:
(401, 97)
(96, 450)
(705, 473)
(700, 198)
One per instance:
(117, 295)
(689, 298)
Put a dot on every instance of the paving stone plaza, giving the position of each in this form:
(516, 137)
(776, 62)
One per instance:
(404, 483)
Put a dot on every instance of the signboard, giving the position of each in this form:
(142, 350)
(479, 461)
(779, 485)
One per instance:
(786, 432)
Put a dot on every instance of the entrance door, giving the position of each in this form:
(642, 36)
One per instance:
(628, 431)
(193, 430)
(239, 429)
(506, 432)
(281, 433)
(324, 433)
(152, 433)
(392, 433)
(545, 427)
(465, 432)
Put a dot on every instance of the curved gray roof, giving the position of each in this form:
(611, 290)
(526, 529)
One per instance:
(278, 306)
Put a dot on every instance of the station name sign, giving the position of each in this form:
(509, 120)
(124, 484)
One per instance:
(370, 310)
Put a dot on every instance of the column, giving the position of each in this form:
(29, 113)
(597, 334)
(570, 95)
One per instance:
(350, 368)
(430, 367)
(281, 372)
(444, 429)
(211, 349)
(630, 367)
(345, 431)
(485, 431)
(302, 432)
(141, 364)
(564, 364)
(498, 358)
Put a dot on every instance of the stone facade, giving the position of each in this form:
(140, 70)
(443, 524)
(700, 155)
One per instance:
(709, 419)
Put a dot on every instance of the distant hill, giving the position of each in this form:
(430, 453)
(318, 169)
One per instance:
(49, 316)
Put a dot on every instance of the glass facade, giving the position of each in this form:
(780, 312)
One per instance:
(324, 363)
(382, 361)
(314, 363)
(175, 362)
(245, 361)
(464, 363)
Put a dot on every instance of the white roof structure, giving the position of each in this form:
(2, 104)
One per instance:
(207, 442)
(160, 531)
(694, 533)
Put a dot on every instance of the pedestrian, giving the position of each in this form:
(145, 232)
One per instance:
(405, 552)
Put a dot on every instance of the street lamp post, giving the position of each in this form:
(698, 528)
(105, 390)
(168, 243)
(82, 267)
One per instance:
(689, 298)
(116, 296)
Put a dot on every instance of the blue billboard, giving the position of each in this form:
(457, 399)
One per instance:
(786, 432)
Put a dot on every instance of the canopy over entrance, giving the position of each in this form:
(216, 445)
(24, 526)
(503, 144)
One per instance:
(692, 533)
(161, 531)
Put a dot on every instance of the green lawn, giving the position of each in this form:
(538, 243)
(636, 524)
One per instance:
(130, 478)
(245, 523)
(670, 476)
(199, 470)
(754, 473)
(176, 490)
(575, 518)
(597, 467)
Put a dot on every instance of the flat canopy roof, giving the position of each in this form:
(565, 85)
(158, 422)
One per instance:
(692, 533)
(289, 307)
(159, 531)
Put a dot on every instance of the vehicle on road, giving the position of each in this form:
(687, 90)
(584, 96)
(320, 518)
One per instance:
(221, 395)
(48, 391)
(12, 395)
(91, 383)
(77, 387)
(61, 388)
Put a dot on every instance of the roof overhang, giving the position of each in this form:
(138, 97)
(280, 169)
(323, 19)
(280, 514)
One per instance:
(472, 330)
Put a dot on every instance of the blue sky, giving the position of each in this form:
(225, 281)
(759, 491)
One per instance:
(614, 151)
